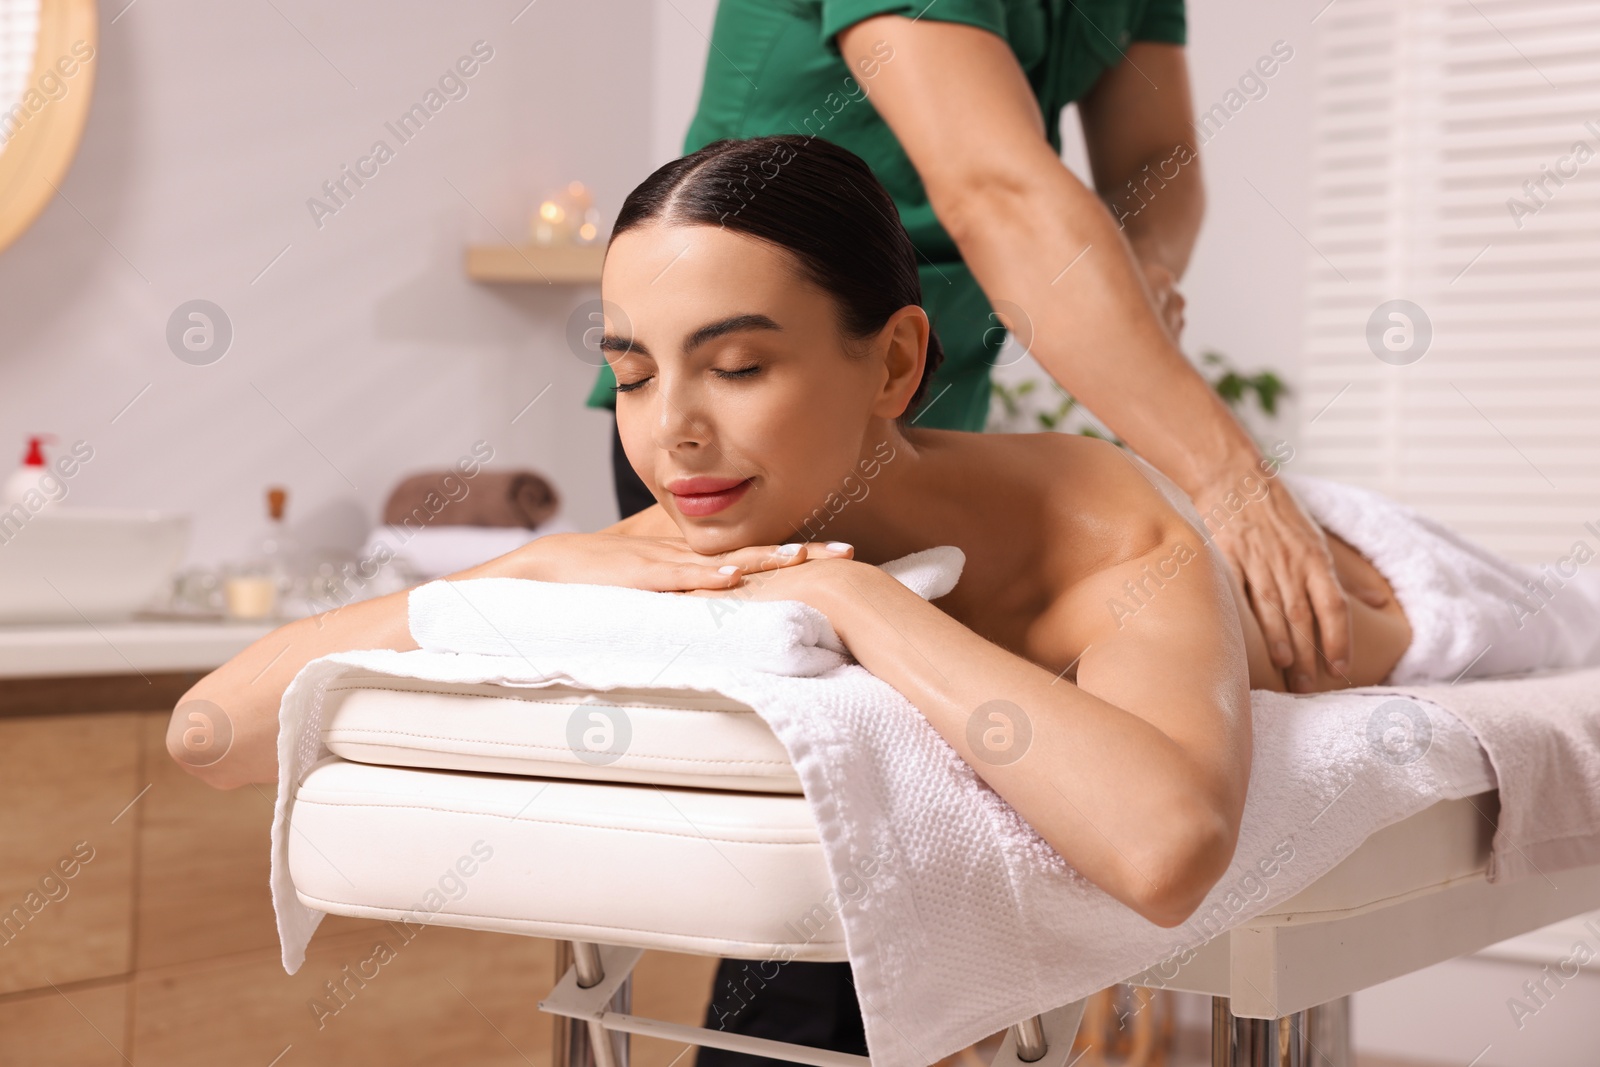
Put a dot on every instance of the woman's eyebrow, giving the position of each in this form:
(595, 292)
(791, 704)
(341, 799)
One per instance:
(731, 324)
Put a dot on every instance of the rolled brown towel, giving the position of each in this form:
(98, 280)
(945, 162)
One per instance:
(489, 498)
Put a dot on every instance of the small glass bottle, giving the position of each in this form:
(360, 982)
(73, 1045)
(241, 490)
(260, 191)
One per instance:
(259, 585)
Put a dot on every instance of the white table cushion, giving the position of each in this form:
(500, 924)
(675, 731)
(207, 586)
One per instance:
(662, 736)
(736, 874)
(690, 870)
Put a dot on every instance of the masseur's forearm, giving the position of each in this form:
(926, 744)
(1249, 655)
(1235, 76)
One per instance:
(1155, 848)
(1160, 217)
(1090, 324)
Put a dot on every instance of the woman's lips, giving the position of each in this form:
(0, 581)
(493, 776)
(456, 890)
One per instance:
(707, 496)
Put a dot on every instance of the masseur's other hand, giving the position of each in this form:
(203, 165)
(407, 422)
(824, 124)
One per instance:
(660, 564)
(1169, 302)
(1282, 558)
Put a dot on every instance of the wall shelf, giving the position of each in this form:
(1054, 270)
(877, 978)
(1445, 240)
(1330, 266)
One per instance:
(529, 264)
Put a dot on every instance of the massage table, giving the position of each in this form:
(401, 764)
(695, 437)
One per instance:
(694, 837)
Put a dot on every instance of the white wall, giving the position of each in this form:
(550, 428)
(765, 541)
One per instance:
(363, 352)
(682, 42)
(1532, 999)
(1246, 283)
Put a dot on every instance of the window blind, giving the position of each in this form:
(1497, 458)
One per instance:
(1453, 325)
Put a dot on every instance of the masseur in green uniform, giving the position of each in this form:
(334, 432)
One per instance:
(955, 104)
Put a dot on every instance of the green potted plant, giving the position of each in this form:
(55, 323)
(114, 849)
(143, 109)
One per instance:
(1018, 408)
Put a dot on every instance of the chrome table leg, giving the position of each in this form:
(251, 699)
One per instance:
(1328, 1034)
(590, 1045)
(1282, 1042)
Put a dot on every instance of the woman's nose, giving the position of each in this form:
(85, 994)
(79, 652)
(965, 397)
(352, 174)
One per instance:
(679, 422)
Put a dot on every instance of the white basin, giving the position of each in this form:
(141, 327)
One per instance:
(70, 564)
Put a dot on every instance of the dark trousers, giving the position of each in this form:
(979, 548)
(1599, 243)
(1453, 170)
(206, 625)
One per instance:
(807, 1003)
(633, 495)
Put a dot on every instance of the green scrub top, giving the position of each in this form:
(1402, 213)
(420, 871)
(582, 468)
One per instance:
(774, 67)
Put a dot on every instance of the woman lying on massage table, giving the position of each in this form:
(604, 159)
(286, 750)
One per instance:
(768, 346)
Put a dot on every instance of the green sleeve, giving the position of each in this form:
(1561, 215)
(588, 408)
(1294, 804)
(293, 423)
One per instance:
(838, 14)
(602, 395)
(1164, 21)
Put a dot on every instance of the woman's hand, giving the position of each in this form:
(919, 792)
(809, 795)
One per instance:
(816, 585)
(659, 564)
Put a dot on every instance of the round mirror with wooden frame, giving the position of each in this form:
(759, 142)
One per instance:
(47, 61)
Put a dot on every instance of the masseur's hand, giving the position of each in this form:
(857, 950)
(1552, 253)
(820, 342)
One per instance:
(1282, 558)
(1168, 301)
(660, 564)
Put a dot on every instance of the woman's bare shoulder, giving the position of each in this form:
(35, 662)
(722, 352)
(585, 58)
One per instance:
(1079, 519)
(1102, 508)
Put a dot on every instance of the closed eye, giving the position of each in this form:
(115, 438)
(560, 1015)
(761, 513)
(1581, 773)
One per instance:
(734, 375)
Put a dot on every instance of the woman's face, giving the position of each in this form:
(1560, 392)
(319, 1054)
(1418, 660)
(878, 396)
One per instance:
(739, 404)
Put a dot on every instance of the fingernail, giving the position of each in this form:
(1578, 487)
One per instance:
(788, 550)
(838, 546)
(1341, 665)
(1281, 650)
(729, 569)
(1302, 681)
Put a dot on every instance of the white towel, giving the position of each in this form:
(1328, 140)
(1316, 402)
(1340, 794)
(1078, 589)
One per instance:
(1477, 616)
(1542, 734)
(1473, 614)
(602, 622)
(496, 616)
(972, 922)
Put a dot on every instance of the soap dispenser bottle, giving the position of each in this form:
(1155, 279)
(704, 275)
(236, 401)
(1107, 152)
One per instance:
(29, 478)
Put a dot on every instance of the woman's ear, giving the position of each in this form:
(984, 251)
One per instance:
(906, 336)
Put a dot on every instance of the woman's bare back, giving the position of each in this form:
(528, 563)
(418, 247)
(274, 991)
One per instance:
(1036, 514)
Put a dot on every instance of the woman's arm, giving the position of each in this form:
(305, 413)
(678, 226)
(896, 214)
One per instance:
(1136, 773)
(247, 690)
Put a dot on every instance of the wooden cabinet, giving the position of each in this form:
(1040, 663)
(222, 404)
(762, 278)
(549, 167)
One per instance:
(67, 847)
(160, 947)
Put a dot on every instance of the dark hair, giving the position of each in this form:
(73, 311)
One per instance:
(811, 197)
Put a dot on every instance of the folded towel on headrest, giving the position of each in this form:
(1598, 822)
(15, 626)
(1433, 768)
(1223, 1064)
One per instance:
(563, 622)
(488, 498)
